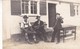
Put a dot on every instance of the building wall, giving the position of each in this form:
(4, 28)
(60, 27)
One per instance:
(11, 22)
(77, 1)
(64, 10)
(6, 19)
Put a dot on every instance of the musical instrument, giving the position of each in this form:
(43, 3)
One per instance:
(38, 26)
(58, 19)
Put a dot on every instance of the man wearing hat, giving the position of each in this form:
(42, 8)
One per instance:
(26, 29)
(57, 27)
(39, 28)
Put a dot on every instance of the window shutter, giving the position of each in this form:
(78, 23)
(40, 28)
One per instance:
(15, 7)
(42, 8)
(72, 10)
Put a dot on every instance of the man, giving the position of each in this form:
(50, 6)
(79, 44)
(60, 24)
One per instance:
(27, 30)
(57, 27)
(39, 28)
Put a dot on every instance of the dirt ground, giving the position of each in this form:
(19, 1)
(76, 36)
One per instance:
(68, 44)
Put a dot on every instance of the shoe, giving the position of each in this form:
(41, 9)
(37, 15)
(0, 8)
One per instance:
(52, 41)
(36, 41)
(30, 42)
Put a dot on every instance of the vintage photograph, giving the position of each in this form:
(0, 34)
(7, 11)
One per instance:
(41, 24)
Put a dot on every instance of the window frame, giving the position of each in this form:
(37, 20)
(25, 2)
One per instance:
(29, 9)
(33, 8)
(76, 10)
(24, 7)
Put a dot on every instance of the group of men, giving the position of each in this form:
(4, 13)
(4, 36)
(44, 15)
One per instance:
(36, 32)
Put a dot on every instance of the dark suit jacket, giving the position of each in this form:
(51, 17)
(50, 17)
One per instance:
(58, 23)
(41, 28)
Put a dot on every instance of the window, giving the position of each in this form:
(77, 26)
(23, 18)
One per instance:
(15, 7)
(25, 7)
(29, 6)
(19, 7)
(73, 10)
(77, 10)
(33, 7)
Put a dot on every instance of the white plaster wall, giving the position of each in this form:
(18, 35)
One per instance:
(6, 19)
(10, 23)
(14, 25)
(77, 1)
(45, 19)
(64, 10)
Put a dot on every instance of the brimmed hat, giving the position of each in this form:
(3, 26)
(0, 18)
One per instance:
(57, 13)
(25, 16)
(37, 17)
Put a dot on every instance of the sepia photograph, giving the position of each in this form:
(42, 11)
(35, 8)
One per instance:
(41, 24)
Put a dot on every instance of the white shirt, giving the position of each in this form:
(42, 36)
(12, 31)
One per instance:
(38, 22)
(25, 24)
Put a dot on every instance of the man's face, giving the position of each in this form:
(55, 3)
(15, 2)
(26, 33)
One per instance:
(57, 16)
(38, 18)
(25, 18)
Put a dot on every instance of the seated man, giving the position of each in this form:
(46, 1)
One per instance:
(39, 28)
(27, 29)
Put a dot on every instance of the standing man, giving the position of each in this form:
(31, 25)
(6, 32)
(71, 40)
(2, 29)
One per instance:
(39, 28)
(57, 27)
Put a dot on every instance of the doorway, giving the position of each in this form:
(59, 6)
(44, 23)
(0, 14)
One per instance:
(51, 14)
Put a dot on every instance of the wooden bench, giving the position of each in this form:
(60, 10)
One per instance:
(66, 29)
